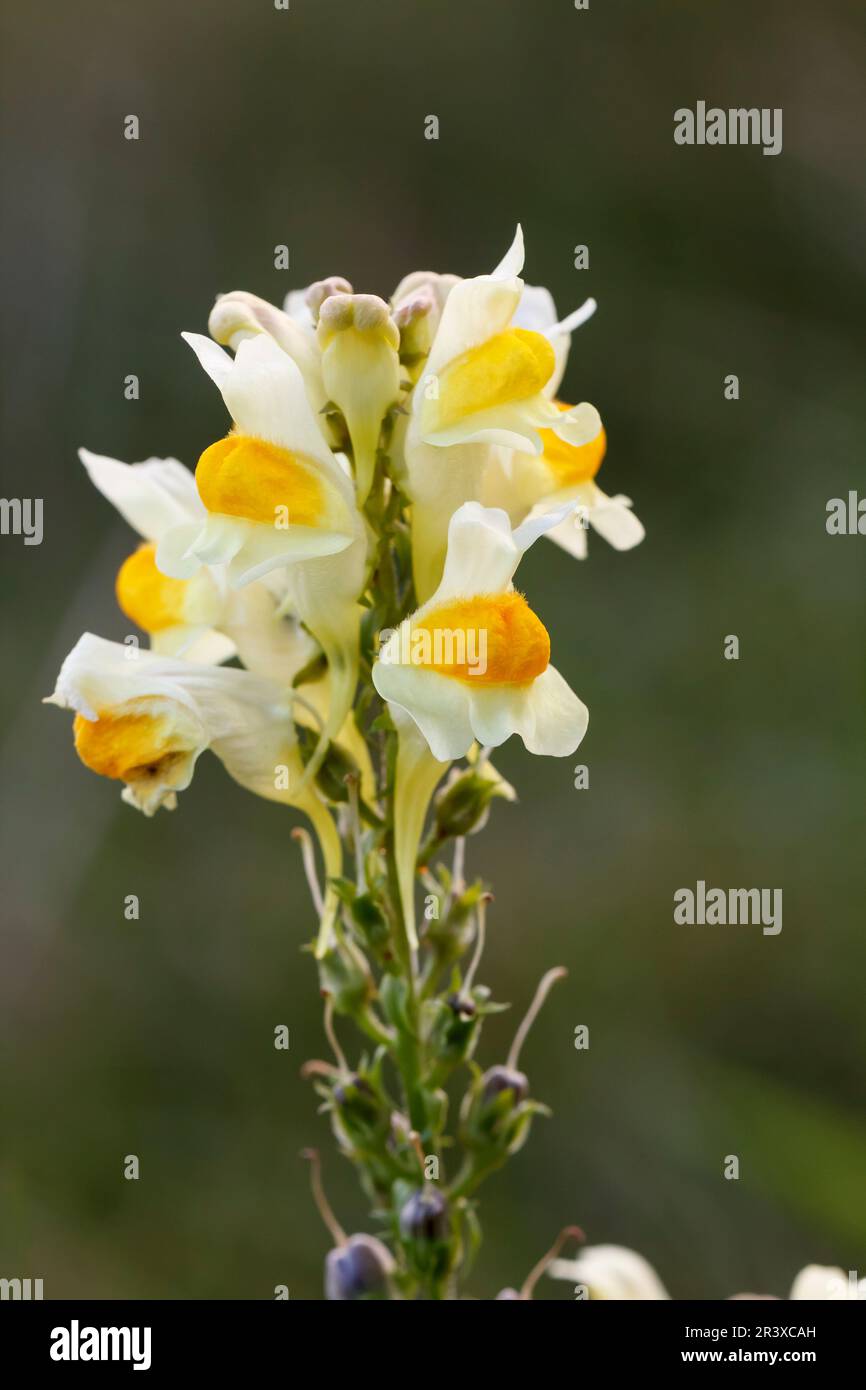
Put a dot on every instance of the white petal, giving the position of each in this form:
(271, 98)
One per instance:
(296, 307)
(613, 519)
(265, 548)
(174, 556)
(215, 360)
(536, 309)
(268, 645)
(194, 644)
(571, 536)
(483, 551)
(551, 719)
(152, 496)
(438, 705)
(267, 398)
(611, 1272)
(482, 555)
(512, 262)
(265, 395)
(542, 520)
(579, 425)
(576, 319)
(821, 1282)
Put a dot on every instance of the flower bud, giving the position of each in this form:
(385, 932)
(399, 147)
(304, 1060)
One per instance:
(361, 371)
(462, 806)
(345, 976)
(497, 1114)
(321, 290)
(425, 1215)
(360, 1119)
(425, 1232)
(359, 1269)
(424, 286)
(498, 1080)
(416, 320)
(453, 1034)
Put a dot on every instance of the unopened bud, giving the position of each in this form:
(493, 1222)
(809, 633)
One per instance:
(462, 806)
(321, 290)
(416, 320)
(361, 372)
(453, 1034)
(425, 1215)
(498, 1080)
(359, 1269)
(345, 977)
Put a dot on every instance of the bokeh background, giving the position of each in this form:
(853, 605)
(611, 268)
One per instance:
(305, 127)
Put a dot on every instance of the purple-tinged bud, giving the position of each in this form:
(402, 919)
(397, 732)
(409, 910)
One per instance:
(500, 1079)
(359, 1269)
(462, 1005)
(425, 1215)
(509, 1294)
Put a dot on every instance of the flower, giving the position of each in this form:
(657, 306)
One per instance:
(825, 1282)
(144, 719)
(273, 492)
(484, 391)
(199, 618)
(238, 316)
(530, 485)
(276, 497)
(611, 1272)
(485, 377)
(474, 661)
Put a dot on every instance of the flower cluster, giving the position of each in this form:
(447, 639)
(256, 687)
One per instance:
(331, 610)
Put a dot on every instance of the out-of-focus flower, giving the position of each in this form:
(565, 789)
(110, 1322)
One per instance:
(474, 661)
(611, 1272)
(358, 1270)
(826, 1282)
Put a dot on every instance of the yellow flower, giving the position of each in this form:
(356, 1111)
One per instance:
(474, 661)
(484, 392)
(530, 485)
(276, 498)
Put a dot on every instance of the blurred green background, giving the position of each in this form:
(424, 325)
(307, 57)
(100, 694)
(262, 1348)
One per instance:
(305, 127)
